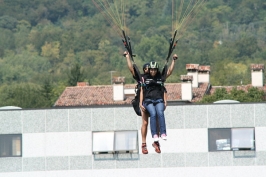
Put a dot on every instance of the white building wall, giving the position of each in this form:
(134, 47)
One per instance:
(57, 142)
(260, 140)
(257, 78)
(243, 171)
(195, 82)
(186, 91)
(118, 92)
(203, 77)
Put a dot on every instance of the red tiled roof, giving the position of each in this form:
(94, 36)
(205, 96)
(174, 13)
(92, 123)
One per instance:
(186, 78)
(85, 95)
(257, 66)
(88, 95)
(192, 66)
(204, 68)
(103, 95)
(199, 92)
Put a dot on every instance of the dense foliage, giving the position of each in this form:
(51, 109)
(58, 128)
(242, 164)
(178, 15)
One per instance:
(44, 43)
(253, 94)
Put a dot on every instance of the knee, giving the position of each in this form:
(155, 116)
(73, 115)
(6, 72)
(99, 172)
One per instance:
(145, 120)
(145, 124)
(160, 112)
(152, 113)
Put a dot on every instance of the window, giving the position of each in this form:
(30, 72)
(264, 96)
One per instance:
(10, 145)
(102, 142)
(219, 139)
(126, 141)
(227, 139)
(243, 139)
(115, 142)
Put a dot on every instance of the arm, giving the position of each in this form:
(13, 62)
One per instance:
(165, 100)
(129, 64)
(141, 100)
(171, 68)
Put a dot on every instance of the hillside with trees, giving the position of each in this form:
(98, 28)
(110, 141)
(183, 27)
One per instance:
(46, 45)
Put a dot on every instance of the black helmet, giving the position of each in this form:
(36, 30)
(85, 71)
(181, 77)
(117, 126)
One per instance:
(146, 65)
(154, 64)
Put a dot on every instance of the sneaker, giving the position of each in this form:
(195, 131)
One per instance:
(155, 137)
(156, 145)
(144, 148)
(164, 137)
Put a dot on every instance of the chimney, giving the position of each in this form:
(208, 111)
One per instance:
(82, 84)
(186, 87)
(204, 74)
(118, 88)
(192, 70)
(257, 75)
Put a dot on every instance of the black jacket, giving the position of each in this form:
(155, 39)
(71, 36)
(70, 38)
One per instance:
(153, 87)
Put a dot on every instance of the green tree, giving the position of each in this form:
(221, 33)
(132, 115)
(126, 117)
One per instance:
(21, 35)
(7, 40)
(46, 92)
(58, 89)
(57, 9)
(152, 48)
(219, 94)
(239, 95)
(51, 51)
(246, 45)
(8, 22)
(75, 75)
(21, 95)
(253, 94)
(230, 73)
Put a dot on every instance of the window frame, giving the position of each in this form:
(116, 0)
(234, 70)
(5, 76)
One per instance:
(98, 147)
(226, 136)
(243, 148)
(7, 141)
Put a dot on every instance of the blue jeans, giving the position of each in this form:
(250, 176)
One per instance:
(156, 109)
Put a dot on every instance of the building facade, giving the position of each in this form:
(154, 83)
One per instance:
(58, 142)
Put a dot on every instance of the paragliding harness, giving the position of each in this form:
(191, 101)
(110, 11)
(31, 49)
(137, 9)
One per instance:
(150, 84)
(135, 101)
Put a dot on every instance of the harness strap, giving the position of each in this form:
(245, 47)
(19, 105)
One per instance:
(164, 73)
(137, 73)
